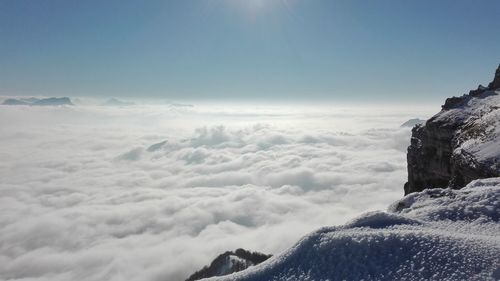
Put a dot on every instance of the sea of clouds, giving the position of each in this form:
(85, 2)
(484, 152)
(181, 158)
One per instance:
(154, 192)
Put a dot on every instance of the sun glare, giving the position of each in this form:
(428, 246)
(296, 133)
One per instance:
(258, 5)
(254, 9)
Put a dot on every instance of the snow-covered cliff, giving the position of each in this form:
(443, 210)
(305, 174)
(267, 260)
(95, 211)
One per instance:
(459, 144)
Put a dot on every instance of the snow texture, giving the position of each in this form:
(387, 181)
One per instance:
(436, 234)
(480, 133)
(231, 262)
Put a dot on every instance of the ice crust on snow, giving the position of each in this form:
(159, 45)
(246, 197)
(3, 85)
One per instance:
(436, 234)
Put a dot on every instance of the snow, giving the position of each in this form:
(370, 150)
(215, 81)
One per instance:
(478, 114)
(233, 263)
(230, 262)
(437, 234)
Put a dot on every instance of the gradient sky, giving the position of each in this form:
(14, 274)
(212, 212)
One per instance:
(313, 50)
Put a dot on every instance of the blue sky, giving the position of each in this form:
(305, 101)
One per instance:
(314, 50)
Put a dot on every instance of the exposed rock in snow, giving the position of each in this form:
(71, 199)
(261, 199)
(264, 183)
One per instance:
(229, 262)
(459, 144)
(413, 122)
(437, 234)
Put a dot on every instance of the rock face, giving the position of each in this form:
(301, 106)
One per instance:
(495, 84)
(229, 262)
(459, 144)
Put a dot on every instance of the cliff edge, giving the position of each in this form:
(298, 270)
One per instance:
(459, 144)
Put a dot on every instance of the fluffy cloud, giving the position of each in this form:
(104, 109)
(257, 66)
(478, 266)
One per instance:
(153, 193)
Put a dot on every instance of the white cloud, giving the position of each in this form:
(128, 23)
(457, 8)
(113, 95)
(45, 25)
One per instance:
(153, 193)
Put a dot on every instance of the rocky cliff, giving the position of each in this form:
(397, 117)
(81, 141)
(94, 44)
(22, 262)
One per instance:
(459, 144)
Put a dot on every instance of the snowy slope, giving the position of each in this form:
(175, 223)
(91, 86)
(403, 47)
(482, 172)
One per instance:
(459, 144)
(478, 119)
(436, 234)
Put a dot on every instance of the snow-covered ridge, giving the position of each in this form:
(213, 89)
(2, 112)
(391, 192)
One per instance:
(459, 144)
(436, 234)
(478, 122)
(479, 136)
(228, 263)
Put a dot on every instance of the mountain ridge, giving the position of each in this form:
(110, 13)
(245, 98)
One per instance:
(52, 101)
(457, 145)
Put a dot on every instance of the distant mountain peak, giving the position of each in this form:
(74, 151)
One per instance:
(117, 102)
(53, 101)
(14, 102)
(39, 102)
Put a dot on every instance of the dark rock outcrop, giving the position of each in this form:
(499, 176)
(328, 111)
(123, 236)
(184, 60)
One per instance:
(229, 262)
(459, 144)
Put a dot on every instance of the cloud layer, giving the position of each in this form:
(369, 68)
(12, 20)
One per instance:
(153, 193)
